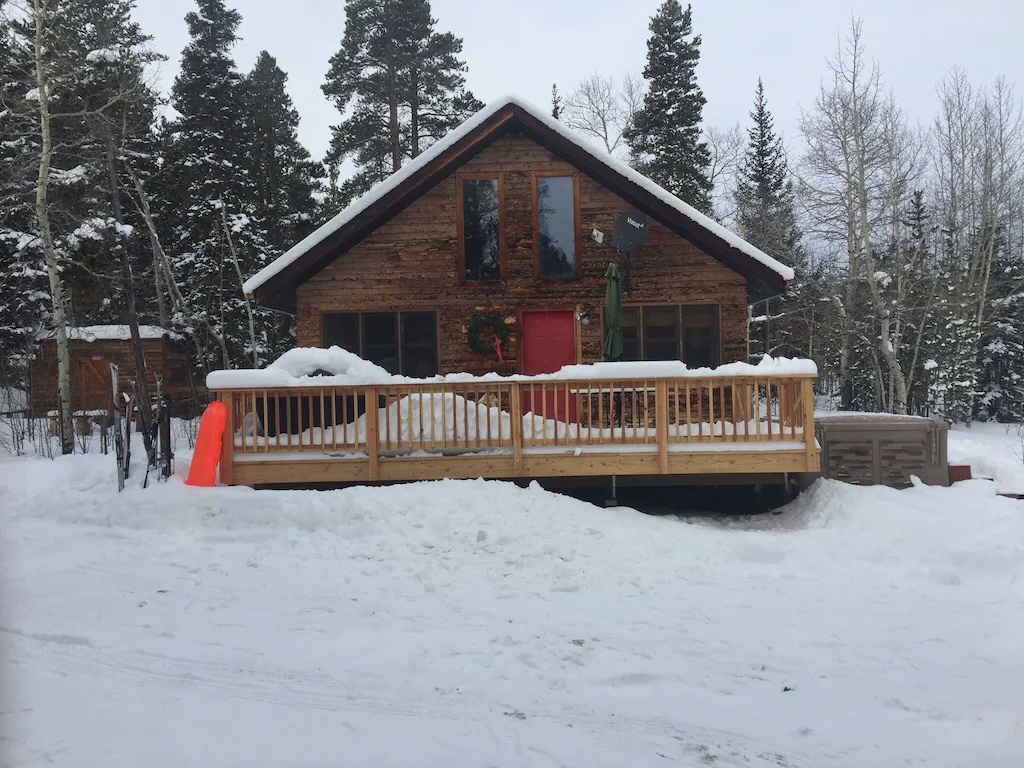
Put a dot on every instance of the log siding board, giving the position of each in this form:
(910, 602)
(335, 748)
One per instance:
(411, 262)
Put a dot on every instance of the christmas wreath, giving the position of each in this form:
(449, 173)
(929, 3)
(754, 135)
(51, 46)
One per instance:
(497, 330)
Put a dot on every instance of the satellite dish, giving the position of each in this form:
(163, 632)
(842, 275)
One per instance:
(630, 231)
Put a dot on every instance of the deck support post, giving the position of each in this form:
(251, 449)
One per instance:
(613, 494)
(516, 417)
(661, 422)
(372, 438)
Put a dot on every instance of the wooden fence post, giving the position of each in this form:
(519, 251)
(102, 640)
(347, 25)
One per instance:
(661, 422)
(372, 440)
(516, 417)
(809, 437)
(227, 443)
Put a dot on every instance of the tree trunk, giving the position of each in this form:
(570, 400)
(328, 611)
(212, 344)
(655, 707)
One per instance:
(67, 434)
(241, 284)
(128, 284)
(414, 114)
(396, 139)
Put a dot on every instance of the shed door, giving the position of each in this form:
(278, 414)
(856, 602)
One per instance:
(549, 342)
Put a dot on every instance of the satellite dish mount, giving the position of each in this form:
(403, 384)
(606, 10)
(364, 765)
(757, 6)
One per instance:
(629, 233)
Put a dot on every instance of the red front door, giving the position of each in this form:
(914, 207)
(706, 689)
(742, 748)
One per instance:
(549, 342)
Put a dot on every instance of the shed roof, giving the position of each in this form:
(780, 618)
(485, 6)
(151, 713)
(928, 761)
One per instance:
(108, 333)
(275, 283)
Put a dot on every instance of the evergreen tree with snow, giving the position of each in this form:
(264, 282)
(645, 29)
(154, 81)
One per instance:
(556, 102)
(284, 175)
(209, 204)
(24, 295)
(400, 85)
(765, 213)
(665, 135)
(765, 209)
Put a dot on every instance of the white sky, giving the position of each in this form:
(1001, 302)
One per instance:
(522, 46)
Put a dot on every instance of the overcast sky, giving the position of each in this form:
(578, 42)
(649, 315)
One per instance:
(523, 46)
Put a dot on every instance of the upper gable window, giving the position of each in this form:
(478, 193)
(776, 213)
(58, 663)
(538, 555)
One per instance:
(481, 228)
(556, 227)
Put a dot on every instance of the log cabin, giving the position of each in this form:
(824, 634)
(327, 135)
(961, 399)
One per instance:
(487, 254)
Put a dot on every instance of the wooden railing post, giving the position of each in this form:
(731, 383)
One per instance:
(516, 417)
(372, 440)
(809, 437)
(661, 422)
(227, 445)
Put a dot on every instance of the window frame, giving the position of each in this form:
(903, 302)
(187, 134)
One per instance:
(398, 320)
(460, 235)
(577, 223)
(679, 324)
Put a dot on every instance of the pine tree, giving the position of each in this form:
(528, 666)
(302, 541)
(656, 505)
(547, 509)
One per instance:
(399, 82)
(24, 295)
(283, 174)
(556, 102)
(209, 190)
(284, 177)
(764, 192)
(665, 134)
(766, 217)
(433, 85)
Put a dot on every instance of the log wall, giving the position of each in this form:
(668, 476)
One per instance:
(410, 263)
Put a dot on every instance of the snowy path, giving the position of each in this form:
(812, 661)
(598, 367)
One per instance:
(475, 623)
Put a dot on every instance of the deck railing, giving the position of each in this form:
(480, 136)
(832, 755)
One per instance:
(517, 416)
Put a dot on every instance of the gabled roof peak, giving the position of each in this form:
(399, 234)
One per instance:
(389, 196)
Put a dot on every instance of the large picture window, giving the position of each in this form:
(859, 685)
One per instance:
(556, 226)
(481, 228)
(687, 333)
(400, 342)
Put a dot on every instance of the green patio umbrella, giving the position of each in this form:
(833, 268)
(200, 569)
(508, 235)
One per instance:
(613, 314)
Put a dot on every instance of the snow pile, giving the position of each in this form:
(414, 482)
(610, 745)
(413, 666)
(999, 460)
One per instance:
(92, 333)
(296, 368)
(992, 450)
(106, 55)
(510, 626)
(452, 138)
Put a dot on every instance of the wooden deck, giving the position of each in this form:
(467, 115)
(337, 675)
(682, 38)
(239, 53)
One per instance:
(522, 428)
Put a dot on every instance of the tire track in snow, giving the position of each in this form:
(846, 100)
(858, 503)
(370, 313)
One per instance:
(324, 692)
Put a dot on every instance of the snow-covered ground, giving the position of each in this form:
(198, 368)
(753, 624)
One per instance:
(481, 624)
(993, 450)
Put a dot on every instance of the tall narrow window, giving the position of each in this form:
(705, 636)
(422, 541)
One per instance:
(419, 344)
(556, 230)
(631, 333)
(700, 336)
(380, 339)
(480, 219)
(661, 333)
(342, 329)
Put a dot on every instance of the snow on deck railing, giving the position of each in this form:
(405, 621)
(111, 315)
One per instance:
(316, 367)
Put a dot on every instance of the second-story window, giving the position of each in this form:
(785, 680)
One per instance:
(556, 227)
(480, 217)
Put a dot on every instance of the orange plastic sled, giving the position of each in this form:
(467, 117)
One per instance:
(203, 471)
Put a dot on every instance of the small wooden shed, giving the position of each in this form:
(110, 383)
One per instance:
(93, 348)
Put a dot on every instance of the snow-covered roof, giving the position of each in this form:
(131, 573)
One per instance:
(109, 333)
(339, 367)
(363, 202)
